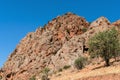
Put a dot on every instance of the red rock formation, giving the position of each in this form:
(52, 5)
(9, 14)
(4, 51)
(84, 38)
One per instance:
(37, 49)
(55, 45)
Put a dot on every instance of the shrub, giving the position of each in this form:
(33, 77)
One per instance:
(84, 29)
(0, 77)
(60, 70)
(45, 71)
(44, 77)
(80, 62)
(66, 66)
(105, 45)
(32, 78)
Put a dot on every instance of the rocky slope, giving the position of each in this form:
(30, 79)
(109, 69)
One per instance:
(55, 45)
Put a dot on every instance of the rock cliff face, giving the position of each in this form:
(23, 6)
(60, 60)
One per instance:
(55, 45)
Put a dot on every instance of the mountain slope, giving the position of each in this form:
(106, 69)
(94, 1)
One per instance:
(55, 45)
(42, 47)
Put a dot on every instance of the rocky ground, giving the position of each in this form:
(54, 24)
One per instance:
(90, 72)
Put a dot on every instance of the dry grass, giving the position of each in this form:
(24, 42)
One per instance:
(89, 71)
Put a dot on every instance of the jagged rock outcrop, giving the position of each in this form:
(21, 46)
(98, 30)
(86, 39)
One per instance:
(100, 22)
(55, 45)
(41, 48)
(71, 50)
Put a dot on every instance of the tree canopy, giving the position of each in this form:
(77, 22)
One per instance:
(105, 44)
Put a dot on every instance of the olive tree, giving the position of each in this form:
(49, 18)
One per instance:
(105, 44)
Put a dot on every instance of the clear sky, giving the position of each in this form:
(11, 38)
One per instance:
(18, 17)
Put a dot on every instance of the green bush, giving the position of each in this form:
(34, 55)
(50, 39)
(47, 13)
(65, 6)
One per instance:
(32, 78)
(66, 66)
(105, 44)
(80, 62)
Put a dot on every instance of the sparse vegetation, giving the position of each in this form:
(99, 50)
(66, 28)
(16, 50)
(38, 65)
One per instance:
(32, 78)
(0, 77)
(80, 62)
(44, 77)
(105, 45)
(66, 66)
(60, 70)
(45, 72)
(84, 29)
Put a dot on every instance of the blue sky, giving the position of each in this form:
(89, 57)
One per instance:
(18, 17)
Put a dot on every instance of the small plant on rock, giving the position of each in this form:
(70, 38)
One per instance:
(44, 77)
(45, 72)
(60, 70)
(84, 29)
(66, 66)
(32, 78)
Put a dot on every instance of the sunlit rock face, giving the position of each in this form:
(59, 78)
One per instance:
(55, 45)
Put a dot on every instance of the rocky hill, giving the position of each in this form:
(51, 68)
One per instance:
(55, 45)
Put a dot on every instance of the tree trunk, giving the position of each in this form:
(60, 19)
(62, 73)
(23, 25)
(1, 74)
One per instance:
(107, 62)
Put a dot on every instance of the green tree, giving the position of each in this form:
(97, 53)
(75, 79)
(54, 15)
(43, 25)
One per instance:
(105, 44)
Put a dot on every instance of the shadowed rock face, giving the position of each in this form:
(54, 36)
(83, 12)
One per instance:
(55, 45)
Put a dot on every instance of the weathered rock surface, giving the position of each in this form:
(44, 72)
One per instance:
(55, 45)
(100, 22)
(43, 48)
